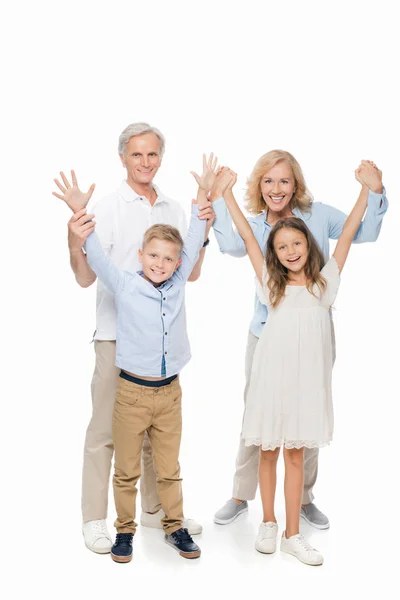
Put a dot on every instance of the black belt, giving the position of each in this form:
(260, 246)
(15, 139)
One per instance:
(146, 382)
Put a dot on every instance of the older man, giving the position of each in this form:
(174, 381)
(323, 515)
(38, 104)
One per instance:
(121, 220)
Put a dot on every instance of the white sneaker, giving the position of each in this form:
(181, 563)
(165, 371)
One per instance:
(301, 549)
(149, 520)
(266, 539)
(96, 536)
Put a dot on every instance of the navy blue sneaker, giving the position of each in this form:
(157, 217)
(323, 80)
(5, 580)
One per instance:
(183, 543)
(122, 549)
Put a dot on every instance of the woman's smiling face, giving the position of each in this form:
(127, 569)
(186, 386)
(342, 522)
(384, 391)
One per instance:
(277, 187)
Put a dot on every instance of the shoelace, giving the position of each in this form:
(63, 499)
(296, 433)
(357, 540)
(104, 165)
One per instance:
(267, 530)
(183, 535)
(123, 537)
(303, 542)
(100, 528)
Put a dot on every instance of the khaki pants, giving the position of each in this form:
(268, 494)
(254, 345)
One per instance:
(138, 409)
(98, 451)
(246, 476)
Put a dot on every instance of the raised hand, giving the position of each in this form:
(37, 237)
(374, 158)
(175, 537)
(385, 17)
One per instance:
(368, 174)
(71, 194)
(224, 180)
(210, 170)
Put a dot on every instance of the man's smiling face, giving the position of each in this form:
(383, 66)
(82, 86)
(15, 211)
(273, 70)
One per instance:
(142, 158)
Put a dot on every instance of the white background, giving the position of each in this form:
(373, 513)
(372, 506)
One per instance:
(238, 78)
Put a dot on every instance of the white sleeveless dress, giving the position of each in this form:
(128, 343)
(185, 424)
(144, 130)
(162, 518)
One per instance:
(289, 401)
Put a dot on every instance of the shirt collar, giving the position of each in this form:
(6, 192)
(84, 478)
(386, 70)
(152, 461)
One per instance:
(129, 194)
(297, 213)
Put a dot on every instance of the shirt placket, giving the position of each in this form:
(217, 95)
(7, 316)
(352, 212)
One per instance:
(165, 332)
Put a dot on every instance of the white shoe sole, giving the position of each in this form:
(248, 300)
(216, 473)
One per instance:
(99, 550)
(227, 521)
(265, 551)
(311, 564)
(321, 527)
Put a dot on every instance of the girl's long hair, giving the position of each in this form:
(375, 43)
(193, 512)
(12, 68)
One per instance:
(278, 274)
(255, 203)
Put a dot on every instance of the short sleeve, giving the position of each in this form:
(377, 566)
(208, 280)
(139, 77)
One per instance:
(262, 290)
(104, 211)
(331, 273)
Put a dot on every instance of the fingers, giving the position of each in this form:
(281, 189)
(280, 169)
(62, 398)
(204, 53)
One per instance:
(60, 187)
(74, 179)
(65, 180)
(81, 217)
(197, 177)
(369, 162)
(89, 226)
(206, 211)
(58, 195)
(90, 190)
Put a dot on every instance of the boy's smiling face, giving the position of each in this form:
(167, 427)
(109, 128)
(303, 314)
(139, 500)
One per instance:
(159, 259)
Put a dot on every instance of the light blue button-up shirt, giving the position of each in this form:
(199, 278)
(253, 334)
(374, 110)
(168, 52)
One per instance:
(152, 339)
(325, 222)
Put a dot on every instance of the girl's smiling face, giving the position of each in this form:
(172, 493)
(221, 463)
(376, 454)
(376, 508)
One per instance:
(291, 249)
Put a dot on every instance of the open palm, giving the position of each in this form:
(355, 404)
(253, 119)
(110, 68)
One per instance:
(71, 194)
(210, 169)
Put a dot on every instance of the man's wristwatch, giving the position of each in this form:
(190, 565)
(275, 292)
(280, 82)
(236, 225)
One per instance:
(206, 242)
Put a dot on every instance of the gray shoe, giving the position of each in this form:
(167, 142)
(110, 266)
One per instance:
(230, 511)
(314, 516)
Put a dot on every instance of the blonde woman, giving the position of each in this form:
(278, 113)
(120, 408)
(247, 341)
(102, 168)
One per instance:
(277, 190)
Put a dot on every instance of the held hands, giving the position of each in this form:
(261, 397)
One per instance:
(225, 180)
(368, 174)
(80, 226)
(210, 170)
(72, 195)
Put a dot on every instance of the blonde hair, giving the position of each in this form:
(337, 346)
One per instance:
(278, 274)
(165, 233)
(255, 203)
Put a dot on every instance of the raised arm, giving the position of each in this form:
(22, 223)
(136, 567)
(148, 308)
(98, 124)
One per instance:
(78, 227)
(243, 228)
(97, 262)
(112, 277)
(353, 220)
(377, 205)
(228, 239)
(197, 227)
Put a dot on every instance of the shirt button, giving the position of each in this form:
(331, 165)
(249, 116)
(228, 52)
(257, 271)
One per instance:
(164, 298)
(165, 352)
(166, 333)
(163, 314)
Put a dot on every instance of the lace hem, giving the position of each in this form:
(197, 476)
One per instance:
(290, 444)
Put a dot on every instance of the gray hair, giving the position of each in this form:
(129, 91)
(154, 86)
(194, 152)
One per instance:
(139, 129)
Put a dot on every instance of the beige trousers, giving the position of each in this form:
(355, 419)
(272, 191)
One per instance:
(98, 451)
(158, 411)
(245, 481)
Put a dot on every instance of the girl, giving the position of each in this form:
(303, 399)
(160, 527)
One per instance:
(289, 400)
(277, 189)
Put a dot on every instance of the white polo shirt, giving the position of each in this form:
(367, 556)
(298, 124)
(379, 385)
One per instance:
(121, 221)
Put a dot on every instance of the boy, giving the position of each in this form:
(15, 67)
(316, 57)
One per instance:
(152, 348)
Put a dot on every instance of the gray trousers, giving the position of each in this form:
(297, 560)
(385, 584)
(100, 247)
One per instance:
(245, 481)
